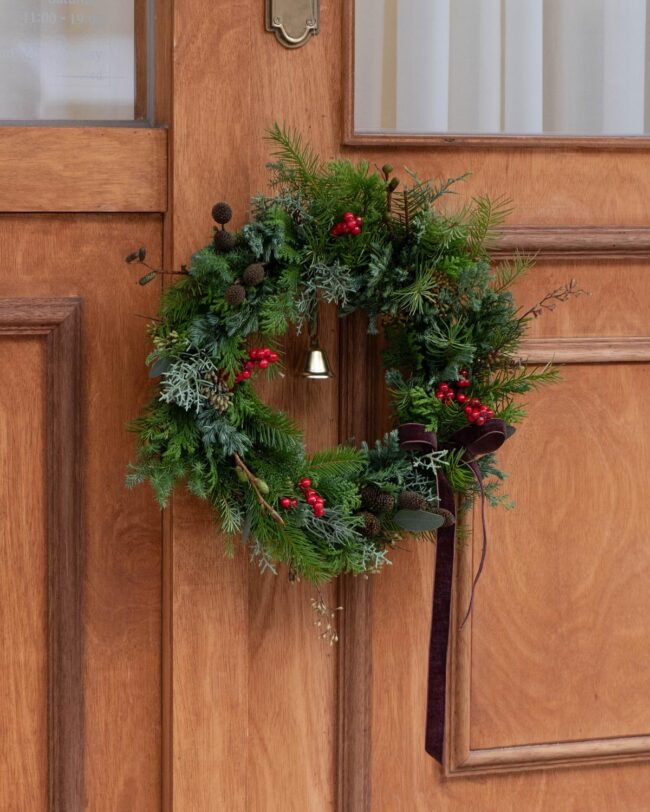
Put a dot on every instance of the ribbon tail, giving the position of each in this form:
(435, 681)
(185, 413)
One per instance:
(440, 620)
(477, 474)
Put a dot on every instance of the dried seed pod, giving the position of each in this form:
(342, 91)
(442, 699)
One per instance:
(254, 274)
(235, 294)
(222, 213)
(223, 241)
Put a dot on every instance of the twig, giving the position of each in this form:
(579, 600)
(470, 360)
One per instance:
(253, 482)
(550, 301)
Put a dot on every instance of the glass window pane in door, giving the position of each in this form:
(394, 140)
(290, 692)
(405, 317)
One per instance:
(67, 59)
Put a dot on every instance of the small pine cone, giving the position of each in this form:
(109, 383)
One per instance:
(254, 274)
(235, 294)
(376, 500)
(371, 525)
(223, 240)
(221, 401)
(412, 500)
(448, 516)
(221, 213)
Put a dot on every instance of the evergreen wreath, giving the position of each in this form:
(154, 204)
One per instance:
(348, 234)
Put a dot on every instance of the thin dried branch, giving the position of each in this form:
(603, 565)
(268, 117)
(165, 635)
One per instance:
(550, 301)
(250, 476)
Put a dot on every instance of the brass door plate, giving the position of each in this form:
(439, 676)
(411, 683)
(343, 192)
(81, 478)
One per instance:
(293, 21)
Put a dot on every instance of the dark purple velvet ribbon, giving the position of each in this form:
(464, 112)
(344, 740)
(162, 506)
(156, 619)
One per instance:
(476, 441)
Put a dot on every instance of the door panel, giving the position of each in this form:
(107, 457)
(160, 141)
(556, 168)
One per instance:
(83, 256)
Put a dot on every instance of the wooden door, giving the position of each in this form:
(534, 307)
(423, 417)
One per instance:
(80, 719)
(548, 706)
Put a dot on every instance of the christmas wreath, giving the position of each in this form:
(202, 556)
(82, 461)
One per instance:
(358, 237)
(362, 239)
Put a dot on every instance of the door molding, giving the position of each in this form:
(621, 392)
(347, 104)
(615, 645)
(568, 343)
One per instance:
(58, 321)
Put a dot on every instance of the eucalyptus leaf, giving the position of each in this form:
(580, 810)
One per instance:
(418, 521)
(159, 367)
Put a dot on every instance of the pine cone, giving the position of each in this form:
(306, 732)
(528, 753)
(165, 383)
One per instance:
(446, 514)
(412, 500)
(221, 401)
(235, 294)
(372, 525)
(376, 500)
(221, 213)
(223, 240)
(254, 274)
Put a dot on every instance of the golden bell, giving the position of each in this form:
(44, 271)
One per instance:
(316, 365)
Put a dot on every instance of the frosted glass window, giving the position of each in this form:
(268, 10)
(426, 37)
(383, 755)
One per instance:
(555, 67)
(67, 59)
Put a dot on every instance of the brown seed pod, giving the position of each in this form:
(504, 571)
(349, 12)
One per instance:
(223, 241)
(221, 213)
(254, 274)
(235, 294)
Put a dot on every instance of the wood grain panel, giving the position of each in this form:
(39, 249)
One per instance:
(82, 255)
(55, 419)
(91, 169)
(611, 307)
(23, 570)
(579, 693)
(262, 739)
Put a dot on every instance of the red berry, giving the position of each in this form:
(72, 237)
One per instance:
(475, 402)
(319, 510)
(358, 221)
(305, 482)
(468, 410)
(273, 357)
(464, 372)
(480, 421)
(249, 365)
(450, 394)
(252, 354)
(245, 375)
(294, 503)
(355, 230)
(440, 395)
(461, 398)
(312, 500)
(348, 215)
(490, 413)
(263, 363)
(471, 417)
(285, 502)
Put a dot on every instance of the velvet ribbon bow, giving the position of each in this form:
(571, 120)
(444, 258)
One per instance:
(476, 441)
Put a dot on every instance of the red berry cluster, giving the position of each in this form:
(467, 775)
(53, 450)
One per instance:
(287, 503)
(476, 411)
(350, 224)
(316, 502)
(259, 357)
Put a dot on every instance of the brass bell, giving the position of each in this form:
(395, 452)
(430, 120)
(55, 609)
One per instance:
(316, 365)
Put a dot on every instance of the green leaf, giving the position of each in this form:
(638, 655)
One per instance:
(159, 367)
(418, 521)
